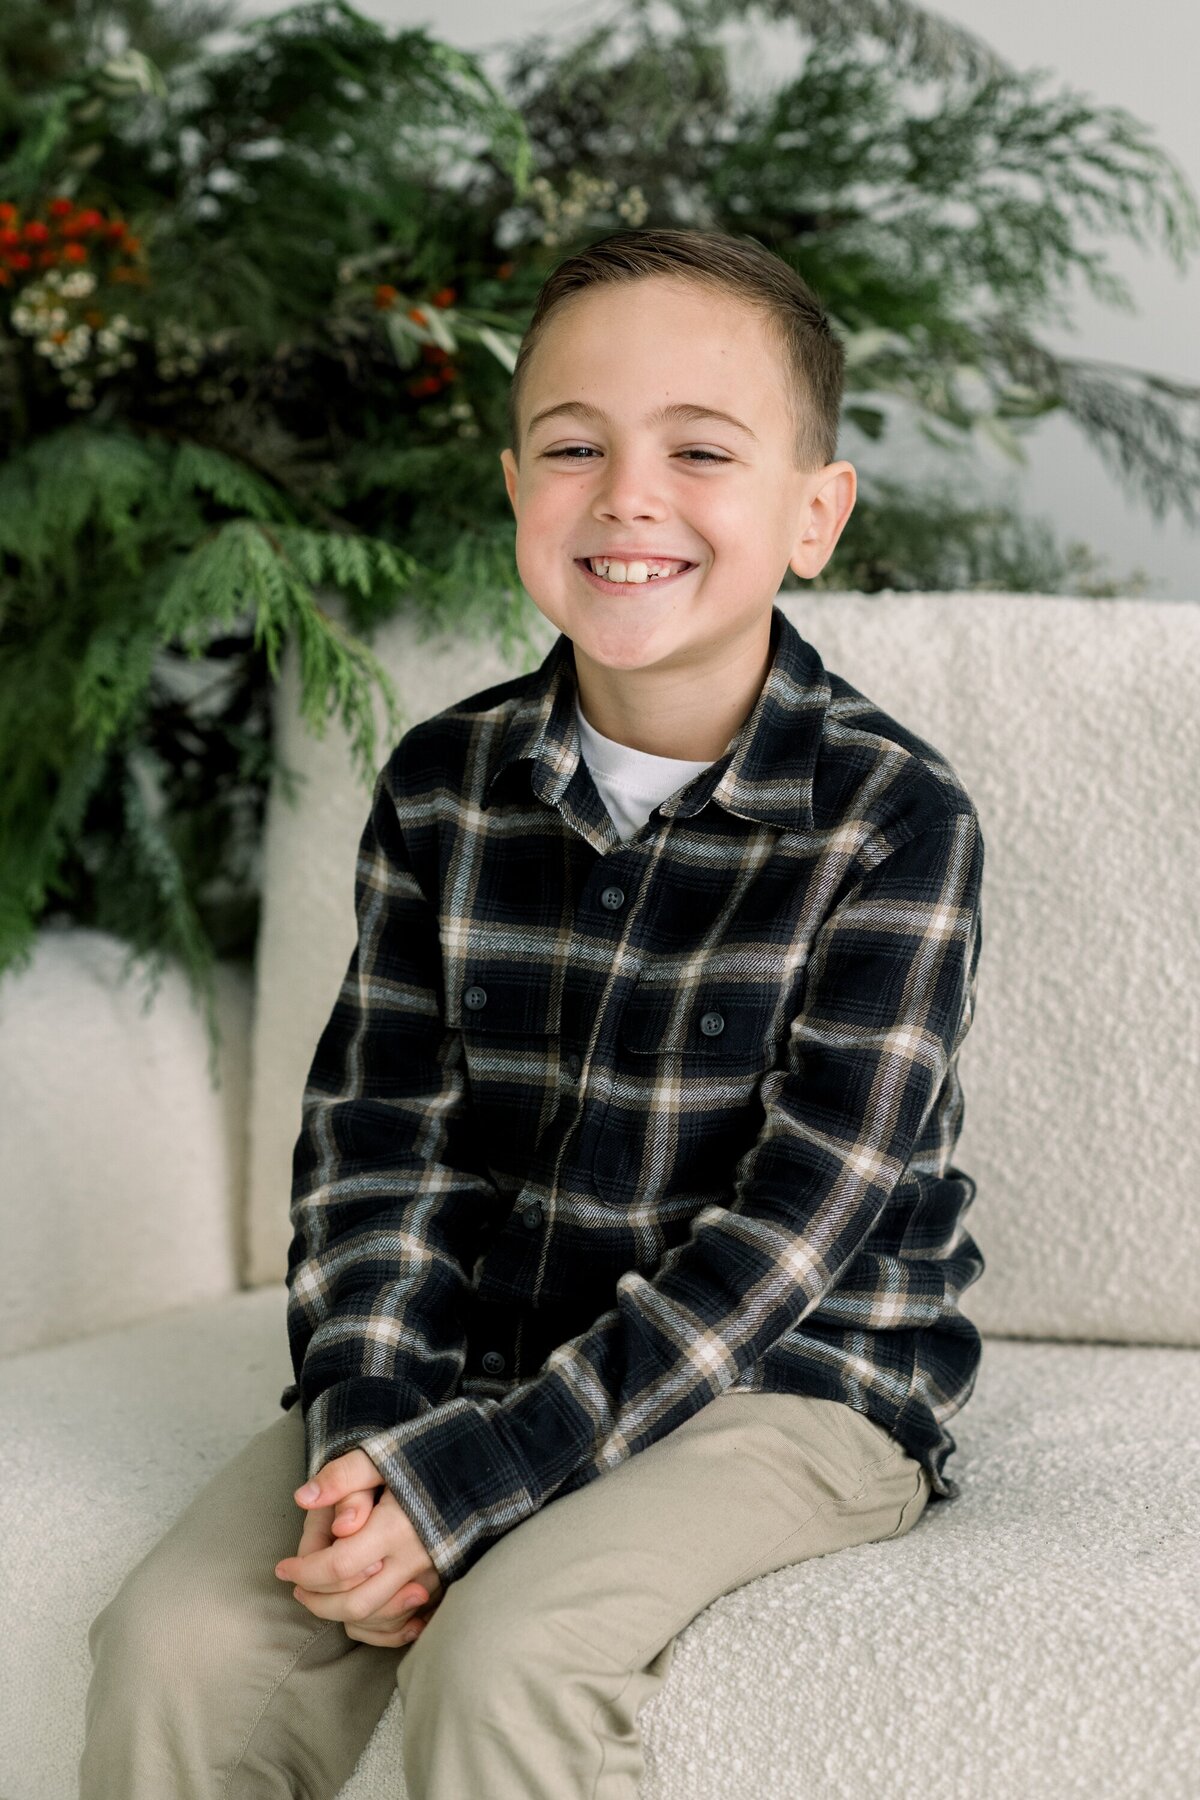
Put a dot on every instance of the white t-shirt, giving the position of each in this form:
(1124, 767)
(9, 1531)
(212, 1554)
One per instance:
(631, 783)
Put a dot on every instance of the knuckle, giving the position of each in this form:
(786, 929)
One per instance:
(345, 1562)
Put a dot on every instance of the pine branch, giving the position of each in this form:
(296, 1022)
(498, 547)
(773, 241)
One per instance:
(921, 42)
(1138, 436)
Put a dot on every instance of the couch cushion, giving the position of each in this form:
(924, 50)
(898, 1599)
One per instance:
(1074, 726)
(123, 1164)
(1036, 1636)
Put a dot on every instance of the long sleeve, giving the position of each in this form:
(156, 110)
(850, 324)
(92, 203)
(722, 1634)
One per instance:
(385, 1204)
(887, 998)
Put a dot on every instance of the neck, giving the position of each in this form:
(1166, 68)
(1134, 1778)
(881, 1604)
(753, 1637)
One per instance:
(689, 711)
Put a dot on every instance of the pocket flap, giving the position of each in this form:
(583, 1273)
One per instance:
(716, 1024)
(508, 998)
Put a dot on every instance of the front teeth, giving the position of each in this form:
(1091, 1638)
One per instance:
(635, 571)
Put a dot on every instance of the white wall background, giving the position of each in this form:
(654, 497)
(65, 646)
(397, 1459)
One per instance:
(1144, 59)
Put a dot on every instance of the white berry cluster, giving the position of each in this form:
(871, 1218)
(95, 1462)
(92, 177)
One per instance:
(586, 195)
(179, 350)
(43, 314)
(465, 413)
(68, 342)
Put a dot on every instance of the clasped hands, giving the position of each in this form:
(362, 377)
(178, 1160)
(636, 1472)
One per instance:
(360, 1560)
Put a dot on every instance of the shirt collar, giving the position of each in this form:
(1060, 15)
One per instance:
(764, 773)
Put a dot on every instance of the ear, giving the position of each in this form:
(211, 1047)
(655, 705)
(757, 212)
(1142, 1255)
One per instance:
(508, 463)
(829, 506)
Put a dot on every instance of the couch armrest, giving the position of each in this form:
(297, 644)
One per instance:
(123, 1174)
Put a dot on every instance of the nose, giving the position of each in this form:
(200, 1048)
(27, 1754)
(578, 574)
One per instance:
(629, 486)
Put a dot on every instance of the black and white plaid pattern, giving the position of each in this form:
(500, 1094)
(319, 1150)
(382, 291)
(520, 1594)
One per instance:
(597, 1130)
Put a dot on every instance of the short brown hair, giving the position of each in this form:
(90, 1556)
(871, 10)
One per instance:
(739, 265)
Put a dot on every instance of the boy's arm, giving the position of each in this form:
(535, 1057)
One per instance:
(385, 1206)
(889, 996)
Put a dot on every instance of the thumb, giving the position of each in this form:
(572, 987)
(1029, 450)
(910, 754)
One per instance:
(341, 1476)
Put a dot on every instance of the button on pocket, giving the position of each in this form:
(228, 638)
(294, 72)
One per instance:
(507, 999)
(507, 1015)
(728, 1026)
(681, 1108)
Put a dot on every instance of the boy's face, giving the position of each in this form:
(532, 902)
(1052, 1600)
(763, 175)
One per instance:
(629, 480)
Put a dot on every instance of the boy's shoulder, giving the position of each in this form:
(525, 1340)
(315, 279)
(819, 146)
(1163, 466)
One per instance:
(437, 749)
(873, 765)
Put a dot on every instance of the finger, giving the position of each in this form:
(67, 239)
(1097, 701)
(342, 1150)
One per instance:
(333, 1593)
(342, 1564)
(393, 1628)
(323, 1559)
(343, 1475)
(402, 1607)
(317, 1533)
(353, 1511)
(355, 1603)
(315, 1539)
(384, 1640)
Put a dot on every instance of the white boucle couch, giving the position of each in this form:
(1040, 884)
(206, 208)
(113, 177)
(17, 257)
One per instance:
(1037, 1638)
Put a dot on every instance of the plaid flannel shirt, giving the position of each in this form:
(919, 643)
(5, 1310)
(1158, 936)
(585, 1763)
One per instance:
(597, 1131)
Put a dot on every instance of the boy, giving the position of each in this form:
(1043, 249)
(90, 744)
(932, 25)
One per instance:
(628, 1247)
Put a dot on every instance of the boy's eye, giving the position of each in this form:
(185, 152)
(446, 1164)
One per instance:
(571, 451)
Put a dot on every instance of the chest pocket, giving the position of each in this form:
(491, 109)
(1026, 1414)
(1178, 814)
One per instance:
(503, 1000)
(682, 1108)
(508, 1017)
(722, 1026)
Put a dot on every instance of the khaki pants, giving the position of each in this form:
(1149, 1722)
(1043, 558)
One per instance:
(212, 1682)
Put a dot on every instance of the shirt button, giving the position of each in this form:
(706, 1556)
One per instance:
(493, 1362)
(573, 1066)
(712, 1024)
(532, 1216)
(612, 897)
(475, 997)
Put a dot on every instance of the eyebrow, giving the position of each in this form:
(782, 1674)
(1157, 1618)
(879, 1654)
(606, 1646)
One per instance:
(678, 410)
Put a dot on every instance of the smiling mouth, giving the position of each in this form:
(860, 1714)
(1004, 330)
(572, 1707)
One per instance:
(631, 587)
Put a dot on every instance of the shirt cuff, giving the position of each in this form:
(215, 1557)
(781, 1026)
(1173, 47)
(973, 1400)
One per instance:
(459, 1477)
(342, 1416)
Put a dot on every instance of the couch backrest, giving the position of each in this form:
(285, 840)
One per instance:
(1075, 726)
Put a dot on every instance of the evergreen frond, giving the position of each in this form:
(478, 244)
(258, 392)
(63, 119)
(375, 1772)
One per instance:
(54, 485)
(113, 677)
(921, 41)
(150, 883)
(199, 467)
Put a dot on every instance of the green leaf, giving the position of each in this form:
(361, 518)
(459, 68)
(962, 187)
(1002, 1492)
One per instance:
(987, 425)
(503, 348)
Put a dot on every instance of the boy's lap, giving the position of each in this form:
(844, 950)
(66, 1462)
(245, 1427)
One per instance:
(750, 1483)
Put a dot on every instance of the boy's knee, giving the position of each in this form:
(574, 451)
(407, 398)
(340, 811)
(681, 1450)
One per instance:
(472, 1656)
(162, 1625)
(133, 1624)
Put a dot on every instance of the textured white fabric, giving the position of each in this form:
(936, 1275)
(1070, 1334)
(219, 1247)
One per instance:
(630, 782)
(1075, 727)
(121, 1168)
(1037, 1637)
